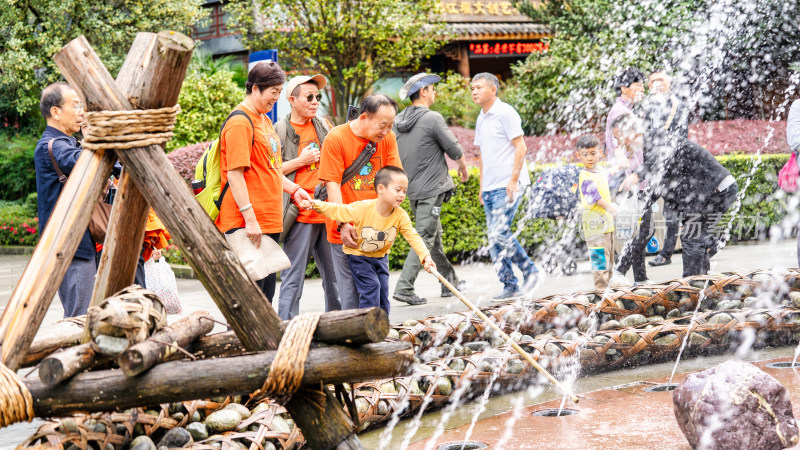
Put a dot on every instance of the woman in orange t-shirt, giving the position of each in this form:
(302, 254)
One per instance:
(250, 161)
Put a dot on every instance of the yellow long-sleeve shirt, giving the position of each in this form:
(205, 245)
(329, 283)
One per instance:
(376, 233)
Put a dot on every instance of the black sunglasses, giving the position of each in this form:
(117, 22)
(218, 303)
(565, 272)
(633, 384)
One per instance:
(310, 97)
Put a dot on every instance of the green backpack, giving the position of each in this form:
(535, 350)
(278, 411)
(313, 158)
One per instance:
(208, 176)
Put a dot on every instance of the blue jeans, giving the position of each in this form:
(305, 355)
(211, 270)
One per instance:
(504, 248)
(371, 276)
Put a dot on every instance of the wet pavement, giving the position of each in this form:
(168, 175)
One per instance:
(625, 416)
(481, 282)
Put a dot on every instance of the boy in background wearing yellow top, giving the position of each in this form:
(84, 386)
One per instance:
(597, 218)
(377, 223)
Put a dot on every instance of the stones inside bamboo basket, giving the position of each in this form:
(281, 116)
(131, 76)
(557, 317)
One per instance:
(126, 318)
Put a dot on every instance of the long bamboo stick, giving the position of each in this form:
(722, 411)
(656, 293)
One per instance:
(525, 355)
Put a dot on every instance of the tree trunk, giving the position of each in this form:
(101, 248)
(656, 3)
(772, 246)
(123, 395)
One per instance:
(60, 335)
(144, 355)
(151, 77)
(62, 365)
(349, 327)
(107, 390)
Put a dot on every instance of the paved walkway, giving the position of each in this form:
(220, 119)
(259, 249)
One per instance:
(481, 280)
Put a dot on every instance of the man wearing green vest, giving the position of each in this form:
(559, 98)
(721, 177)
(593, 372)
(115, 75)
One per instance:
(301, 134)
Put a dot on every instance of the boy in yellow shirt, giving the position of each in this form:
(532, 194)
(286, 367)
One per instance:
(377, 223)
(597, 219)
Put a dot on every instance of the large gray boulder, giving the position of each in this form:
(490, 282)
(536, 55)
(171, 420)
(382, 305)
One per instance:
(735, 405)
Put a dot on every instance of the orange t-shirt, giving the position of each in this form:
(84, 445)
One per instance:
(307, 176)
(262, 171)
(340, 149)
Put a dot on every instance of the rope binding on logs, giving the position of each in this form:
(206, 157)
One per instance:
(287, 369)
(16, 401)
(119, 130)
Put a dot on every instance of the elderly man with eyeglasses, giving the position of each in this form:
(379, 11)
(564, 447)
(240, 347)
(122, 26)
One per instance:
(63, 111)
(302, 134)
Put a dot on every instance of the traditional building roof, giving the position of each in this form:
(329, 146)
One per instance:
(488, 30)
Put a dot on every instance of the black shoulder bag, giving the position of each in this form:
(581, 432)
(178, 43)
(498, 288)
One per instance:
(321, 191)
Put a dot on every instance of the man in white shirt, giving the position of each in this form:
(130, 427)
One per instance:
(504, 173)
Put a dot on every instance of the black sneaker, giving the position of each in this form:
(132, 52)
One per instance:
(412, 299)
(460, 286)
(660, 261)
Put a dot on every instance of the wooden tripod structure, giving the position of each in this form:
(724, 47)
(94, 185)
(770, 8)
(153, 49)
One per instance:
(151, 77)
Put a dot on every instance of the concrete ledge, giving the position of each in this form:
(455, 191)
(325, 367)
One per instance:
(16, 250)
(183, 271)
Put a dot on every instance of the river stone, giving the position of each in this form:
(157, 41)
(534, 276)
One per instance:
(610, 325)
(563, 310)
(634, 320)
(383, 407)
(569, 336)
(198, 431)
(720, 318)
(619, 304)
(673, 313)
(458, 365)
(110, 345)
(643, 292)
(178, 416)
(629, 337)
(515, 366)
(393, 334)
(794, 297)
(587, 354)
(552, 349)
(601, 339)
(362, 405)
(239, 408)
(142, 443)
(666, 340)
(175, 438)
(586, 323)
(410, 323)
(515, 336)
(697, 339)
(223, 420)
(69, 425)
(752, 406)
(477, 346)
(443, 386)
(729, 304)
(389, 387)
(659, 310)
(652, 319)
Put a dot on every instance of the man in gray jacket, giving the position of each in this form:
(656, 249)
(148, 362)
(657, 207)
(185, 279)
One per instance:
(423, 139)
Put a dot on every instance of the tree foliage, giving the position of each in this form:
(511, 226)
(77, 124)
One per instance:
(351, 42)
(33, 31)
(209, 93)
(731, 57)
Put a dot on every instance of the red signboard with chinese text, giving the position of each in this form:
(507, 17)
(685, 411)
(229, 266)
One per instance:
(489, 49)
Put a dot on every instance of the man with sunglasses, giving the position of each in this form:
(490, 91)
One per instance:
(302, 134)
(63, 111)
(423, 139)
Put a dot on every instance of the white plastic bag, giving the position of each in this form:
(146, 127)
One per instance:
(629, 213)
(160, 280)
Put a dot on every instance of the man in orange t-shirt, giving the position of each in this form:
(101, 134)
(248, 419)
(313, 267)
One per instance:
(302, 135)
(250, 162)
(340, 149)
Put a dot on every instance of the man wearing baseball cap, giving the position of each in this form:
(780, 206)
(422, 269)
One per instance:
(423, 139)
(301, 134)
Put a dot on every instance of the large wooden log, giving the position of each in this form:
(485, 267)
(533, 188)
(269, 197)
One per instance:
(62, 365)
(107, 390)
(62, 334)
(348, 327)
(53, 254)
(146, 354)
(151, 77)
(239, 299)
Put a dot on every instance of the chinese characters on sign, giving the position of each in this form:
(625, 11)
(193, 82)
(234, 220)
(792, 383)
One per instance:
(473, 8)
(520, 48)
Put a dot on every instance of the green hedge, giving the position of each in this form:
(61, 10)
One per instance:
(464, 222)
